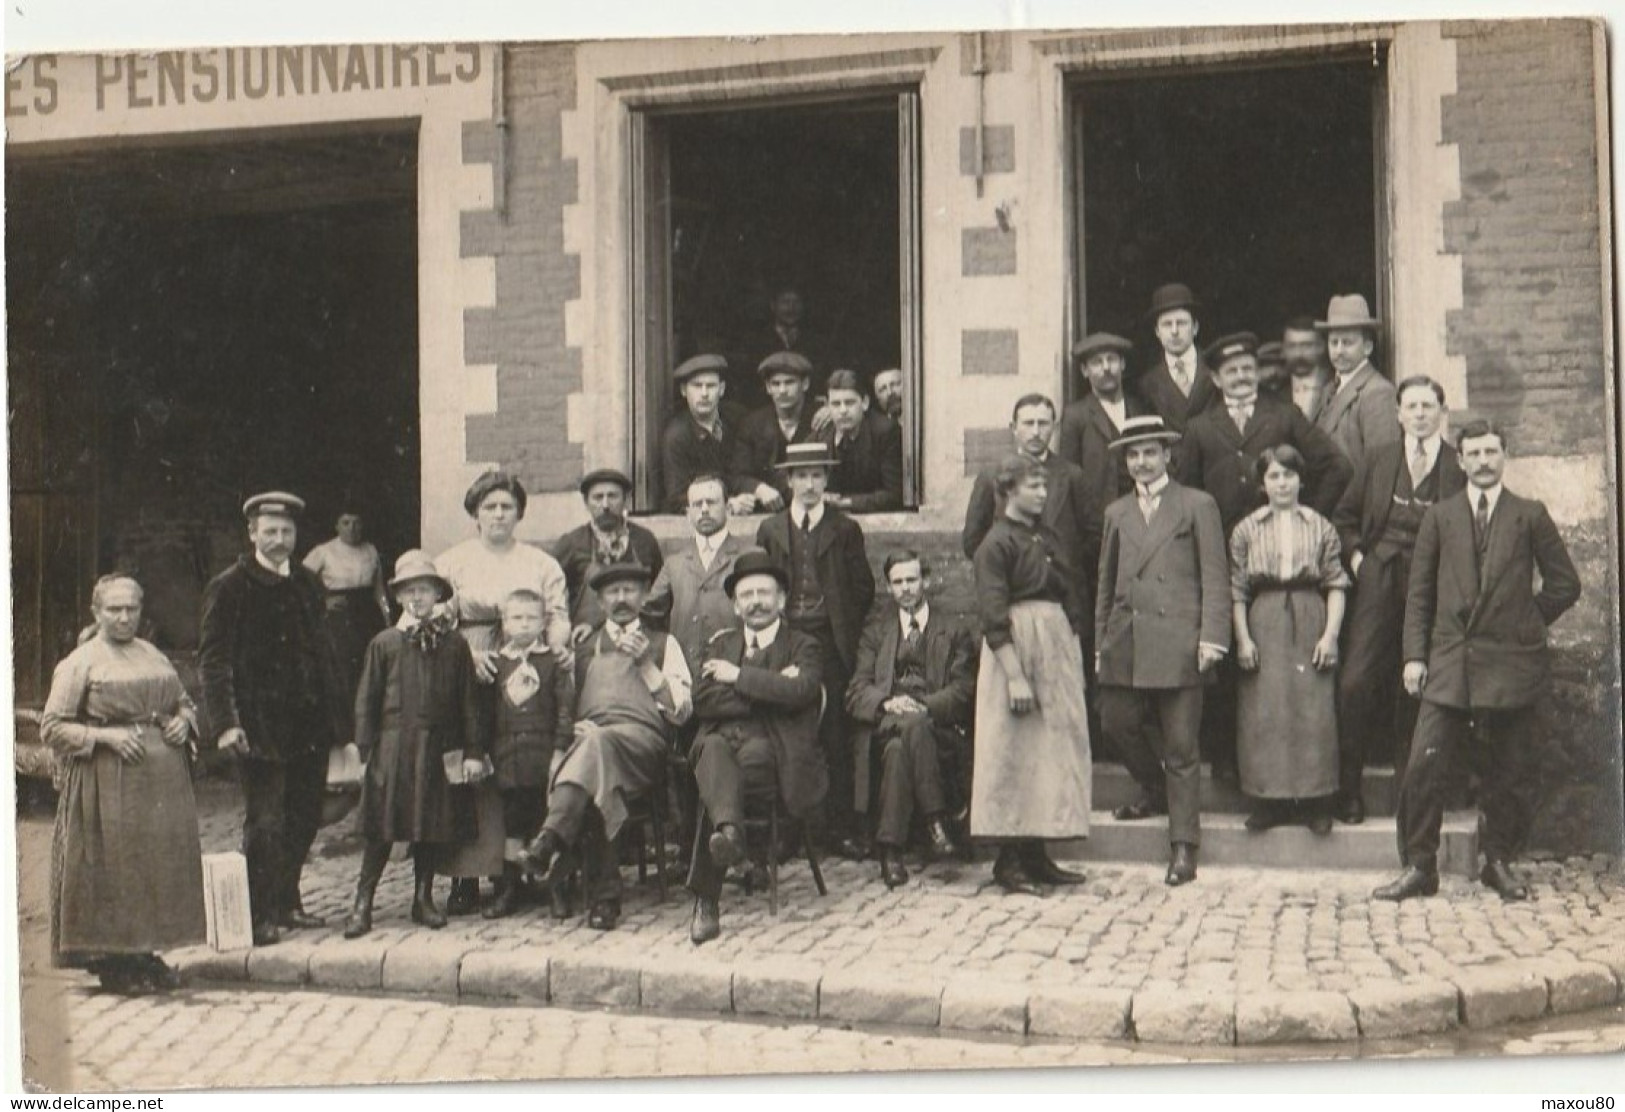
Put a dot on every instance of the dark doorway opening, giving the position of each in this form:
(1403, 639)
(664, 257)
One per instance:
(1258, 188)
(189, 324)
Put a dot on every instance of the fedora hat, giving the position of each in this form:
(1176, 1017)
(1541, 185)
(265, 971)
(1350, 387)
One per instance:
(611, 574)
(414, 564)
(1097, 342)
(755, 562)
(785, 363)
(1228, 347)
(688, 368)
(1174, 295)
(812, 453)
(275, 502)
(1138, 430)
(1348, 311)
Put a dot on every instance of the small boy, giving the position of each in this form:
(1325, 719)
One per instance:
(531, 708)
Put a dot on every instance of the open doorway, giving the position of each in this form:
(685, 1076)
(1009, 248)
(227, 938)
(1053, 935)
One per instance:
(1258, 188)
(189, 324)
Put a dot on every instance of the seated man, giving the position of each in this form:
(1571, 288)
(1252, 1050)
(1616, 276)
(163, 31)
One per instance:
(868, 449)
(912, 693)
(757, 702)
(631, 685)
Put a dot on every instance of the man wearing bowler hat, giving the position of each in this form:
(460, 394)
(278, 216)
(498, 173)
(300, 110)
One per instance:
(697, 441)
(756, 711)
(272, 695)
(1179, 385)
(1359, 411)
(606, 538)
(1090, 424)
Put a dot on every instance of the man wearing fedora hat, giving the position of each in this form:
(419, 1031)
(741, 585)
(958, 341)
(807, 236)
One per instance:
(1162, 623)
(271, 694)
(632, 687)
(756, 707)
(786, 419)
(1179, 385)
(698, 441)
(1359, 411)
(831, 588)
(606, 538)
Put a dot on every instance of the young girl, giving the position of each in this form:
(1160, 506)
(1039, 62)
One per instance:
(415, 705)
(532, 705)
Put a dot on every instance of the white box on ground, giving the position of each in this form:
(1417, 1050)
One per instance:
(227, 923)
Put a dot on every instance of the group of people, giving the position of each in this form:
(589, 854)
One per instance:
(1278, 571)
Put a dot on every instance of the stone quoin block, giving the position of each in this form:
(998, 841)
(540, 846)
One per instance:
(1083, 1013)
(990, 351)
(1386, 1011)
(870, 996)
(998, 150)
(987, 252)
(1285, 1017)
(506, 974)
(782, 988)
(981, 1005)
(984, 448)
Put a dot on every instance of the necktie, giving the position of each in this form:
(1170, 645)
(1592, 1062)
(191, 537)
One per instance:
(1181, 379)
(751, 647)
(911, 634)
(1148, 505)
(707, 554)
(1481, 522)
(1240, 414)
(806, 525)
(1419, 465)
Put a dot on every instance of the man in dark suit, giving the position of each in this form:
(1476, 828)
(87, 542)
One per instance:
(606, 538)
(911, 693)
(687, 598)
(787, 330)
(1162, 622)
(1179, 384)
(1377, 521)
(698, 442)
(868, 449)
(1303, 350)
(756, 707)
(788, 419)
(831, 590)
(1091, 423)
(1476, 655)
(1358, 414)
(272, 695)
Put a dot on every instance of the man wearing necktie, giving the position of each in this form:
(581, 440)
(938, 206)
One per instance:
(1377, 521)
(1359, 408)
(687, 599)
(607, 537)
(1476, 655)
(1179, 385)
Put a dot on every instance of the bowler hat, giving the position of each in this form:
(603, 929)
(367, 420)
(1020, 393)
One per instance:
(1228, 347)
(785, 363)
(1348, 311)
(605, 475)
(277, 502)
(688, 368)
(812, 453)
(611, 574)
(1138, 430)
(414, 564)
(1097, 342)
(1174, 295)
(755, 562)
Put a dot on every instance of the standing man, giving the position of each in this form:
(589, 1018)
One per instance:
(607, 538)
(1304, 352)
(788, 419)
(1476, 655)
(868, 450)
(787, 331)
(888, 391)
(687, 596)
(271, 693)
(756, 708)
(1090, 424)
(1179, 386)
(1359, 414)
(831, 588)
(912, 693)
(1162, 622)
(1272, 376)
(1377, 520)
(697, 442)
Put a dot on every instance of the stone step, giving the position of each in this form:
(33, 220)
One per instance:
(1114, 787)
(1226, 841)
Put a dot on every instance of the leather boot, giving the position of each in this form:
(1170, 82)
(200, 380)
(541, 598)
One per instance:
(892, 872)
(1035, 859)
(942, 842)
(1009, 874)
(505, 901)
(465, 896)
(373, 860)
(1181, 865)
(423, 909)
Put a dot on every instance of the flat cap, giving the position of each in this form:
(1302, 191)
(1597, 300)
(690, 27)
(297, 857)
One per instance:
(611, 574)
(688, 368)
(1097, 342)
(605, 475)
(785, 362)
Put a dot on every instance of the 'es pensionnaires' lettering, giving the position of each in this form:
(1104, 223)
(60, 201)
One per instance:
(31, 87)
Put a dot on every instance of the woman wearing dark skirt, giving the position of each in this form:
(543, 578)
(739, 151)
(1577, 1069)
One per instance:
(353, 577)
(1031, 780)
(126, 865)
(1287, 583)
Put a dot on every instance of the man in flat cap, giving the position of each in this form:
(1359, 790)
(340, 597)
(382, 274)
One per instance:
(272, 696)
(606, 538)
(632, 690)
(868, 450)
(756, 707)
(697, 441)
(786, 420)
(1179, 385)
(1359, 413)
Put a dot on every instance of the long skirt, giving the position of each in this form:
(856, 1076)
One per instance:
(351, 621)
(1286, 721)
(126, 864)
(1031, 772)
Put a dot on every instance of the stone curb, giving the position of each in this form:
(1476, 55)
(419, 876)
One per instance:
(797, 988)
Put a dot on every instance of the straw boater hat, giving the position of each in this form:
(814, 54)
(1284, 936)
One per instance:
(605, 475)
(1139, 430)
(688, 368)
(1348, 311)
(1165, 299)
(278, 503)
(810, 454)
(413, 565)
(785, 362)
(611, 574)
(1097, 342)
(755, 562)
(1229, 347)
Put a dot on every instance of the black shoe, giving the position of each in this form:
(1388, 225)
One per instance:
(1144, 808)
(1412, 882)
(1320, 823)
(727, 847)
(892, 873)
(855, 848)
(1351, 809)
(359, 921)
(559, 904)
(542, 858)
(1181, 865)
(505, 901)
(424, 912)
(1498, 876)
(1266, 815)
(298, 919)
(465, 896)
(604, 915)
(942, 842)
(1042, 868)
(266, 934)
(1009, 875)
(707, 923)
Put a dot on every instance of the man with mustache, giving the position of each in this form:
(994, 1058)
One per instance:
(888, 392)
(606, 538)
(1359, 414)
(632, 687)
(1303, 352)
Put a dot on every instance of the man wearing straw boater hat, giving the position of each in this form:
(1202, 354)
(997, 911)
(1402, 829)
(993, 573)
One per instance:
(1179, 385)
(1162, 622)
(1360, 412)
(271, 691)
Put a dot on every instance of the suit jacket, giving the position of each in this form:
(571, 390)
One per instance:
(686, 451)
(1157, 387)
(574, 552)
(1084, 433)
(761, 445)
(687, 599)
(1362, 416)
(1070, 512)
(765, 703)
(871, 469)
(1362, 513)
(843, 572)
(950, 649)
(1163, 588)
(1480, 626)
(1217, 457)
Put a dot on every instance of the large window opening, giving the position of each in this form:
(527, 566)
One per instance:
(734, 206)
(1258, 188)
(190, 324)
